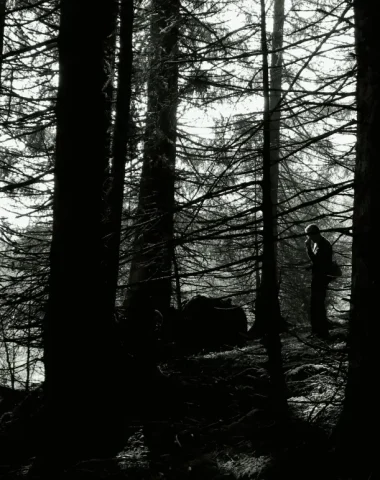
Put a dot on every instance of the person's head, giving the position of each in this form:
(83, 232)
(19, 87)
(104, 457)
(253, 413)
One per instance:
(312, 231)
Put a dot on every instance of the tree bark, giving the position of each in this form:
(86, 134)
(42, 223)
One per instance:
(268, 311)
(3, 5)
(115, 194)
(81, 359)
(150, 275)
(275, 110)
(359, 423)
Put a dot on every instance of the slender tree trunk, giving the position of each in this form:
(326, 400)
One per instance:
(28, 349)
(3, 5)
(177, 281)
(268, 303)
(272, 138)
(115, 193)
(8, 359)
(359, 424)
(81, 363)
(257, 248)
(150, 275)
(275, 109)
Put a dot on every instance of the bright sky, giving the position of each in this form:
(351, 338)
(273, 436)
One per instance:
(200, 122)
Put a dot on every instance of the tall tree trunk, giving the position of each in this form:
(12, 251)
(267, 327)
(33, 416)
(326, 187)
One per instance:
(268, 311)
(8, 356)
(150, 275)
(28, 348)
(3, 5)
(359, 423)
(272, 137)
(81, 364)
(115, 192)
(275, 109)
(177, 281)
(257, 245)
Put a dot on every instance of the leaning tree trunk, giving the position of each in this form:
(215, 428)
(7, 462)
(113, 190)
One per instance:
(268, 306)
(150, 283)
(359, 423)
(81, 364)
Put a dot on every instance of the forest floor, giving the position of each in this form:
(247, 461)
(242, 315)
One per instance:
(216, 422)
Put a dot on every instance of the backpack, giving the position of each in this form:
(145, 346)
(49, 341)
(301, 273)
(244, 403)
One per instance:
(335, 271)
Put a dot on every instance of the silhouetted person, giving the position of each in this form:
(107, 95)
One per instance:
(319, 250)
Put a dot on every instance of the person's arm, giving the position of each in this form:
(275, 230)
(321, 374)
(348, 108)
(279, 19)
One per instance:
(309, 250)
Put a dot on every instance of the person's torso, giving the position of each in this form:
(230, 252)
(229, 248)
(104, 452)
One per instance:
(323, 257)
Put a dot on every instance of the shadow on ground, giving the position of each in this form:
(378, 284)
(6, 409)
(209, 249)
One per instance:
(210, 418)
